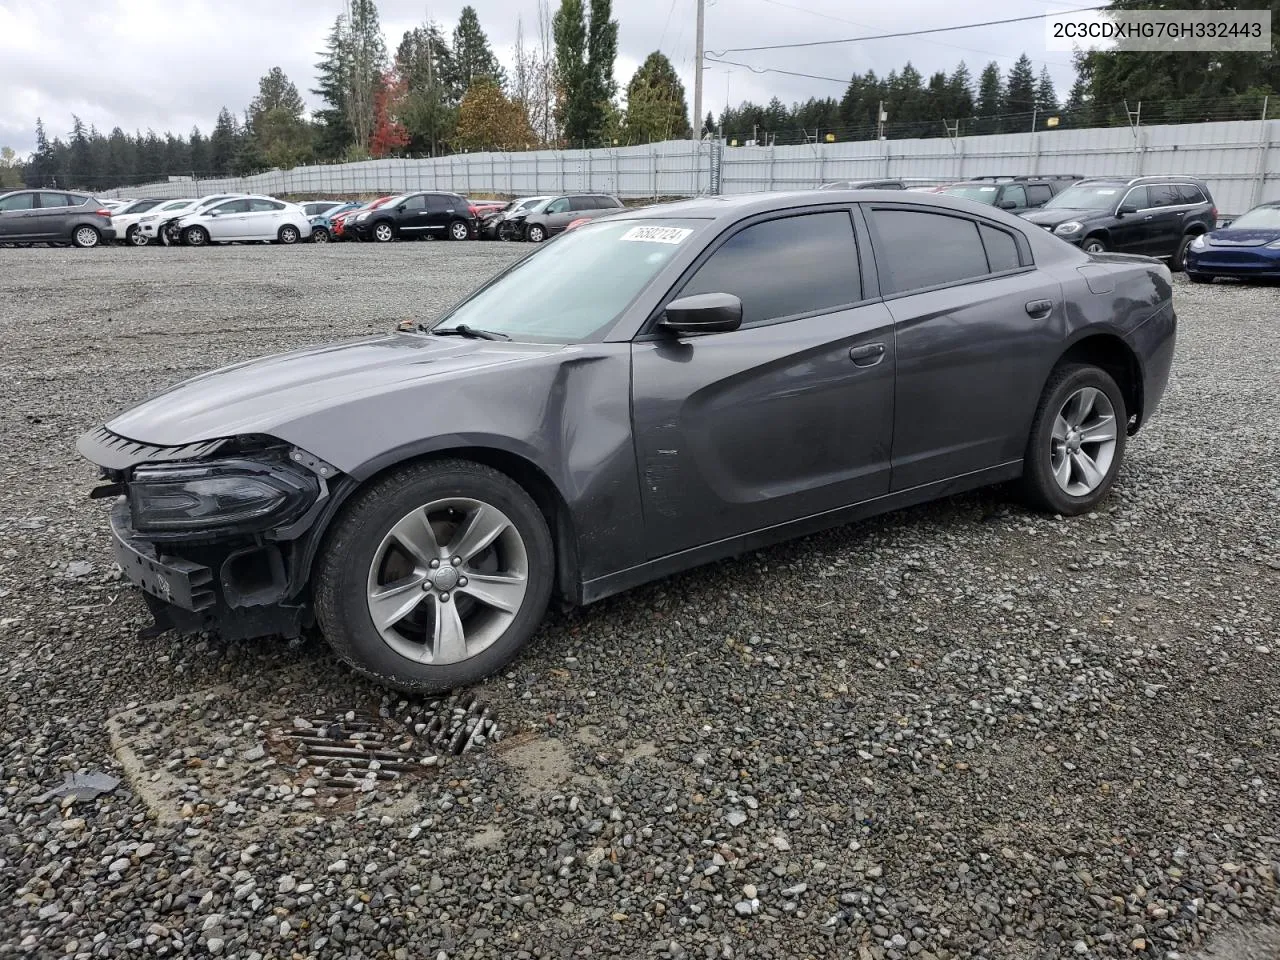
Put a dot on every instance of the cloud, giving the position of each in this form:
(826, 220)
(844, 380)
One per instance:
(172, 64)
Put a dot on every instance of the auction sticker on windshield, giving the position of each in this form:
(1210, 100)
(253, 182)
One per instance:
(657, 234)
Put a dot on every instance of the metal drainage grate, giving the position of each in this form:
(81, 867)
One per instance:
(355, 751)
(454, 724)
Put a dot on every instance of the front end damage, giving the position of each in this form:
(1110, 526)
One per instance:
(218, 535)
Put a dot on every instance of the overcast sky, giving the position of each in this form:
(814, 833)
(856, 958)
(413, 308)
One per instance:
(171, 64)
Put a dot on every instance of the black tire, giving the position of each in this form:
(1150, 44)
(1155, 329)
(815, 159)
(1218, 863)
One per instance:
(134, 238)
(288, 235)
(195, 237)
(340, 578)
(85, 237)
(1179, 261)
(535, 233)
(1200, 277)
(458, 230)
(1040, 488)
(1094, 245)
(320, 235)
(382, 232)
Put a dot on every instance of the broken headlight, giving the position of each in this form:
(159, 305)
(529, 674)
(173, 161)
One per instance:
(219, 497)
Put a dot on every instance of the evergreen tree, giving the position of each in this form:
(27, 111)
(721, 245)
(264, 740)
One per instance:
(79, 172)
(585, 54)
(656, 107)
(990, 97)
(1020, 87)
(276, 122)
(428, 110)
(199, 149)
(224, 144)
(1046, 96)
(177, 156)
(332, 127)
(40, 170)
(367, 59)
(960, 92)
(471, 51)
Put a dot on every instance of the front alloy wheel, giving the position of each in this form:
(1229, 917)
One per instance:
(136, 237)
(436, 576)
(536, 233)
(195, 236)
(383, 233)
(288, 234)
(1094, 245)
(320, 235)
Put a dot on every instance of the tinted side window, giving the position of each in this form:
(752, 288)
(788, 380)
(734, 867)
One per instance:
(1163, 195)
(781, 268)
(48, 200)
(1015, 195)
(1190, 193)
(1137, 197)
(558, 206)
(1002, 250)
(438, 202)
(416, 203)
(231, 206)
(612, 203)
(915, 249)
(265, 206)
(20, 201)
(582, 203)
(1038, 194)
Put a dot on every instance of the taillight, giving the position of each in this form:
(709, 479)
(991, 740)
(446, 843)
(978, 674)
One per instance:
(103, 213)
(1213, 213)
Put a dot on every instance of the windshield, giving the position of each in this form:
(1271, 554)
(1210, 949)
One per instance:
(982, 194)
(138, 206)
(1095, 196)
(177, 205)
(577, 285)
(1259, 218)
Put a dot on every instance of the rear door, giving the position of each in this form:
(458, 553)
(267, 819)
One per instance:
(559, 214)
(441, 209)
(53, 218)
(1164, 219)
(788, 416)
(18, 215)
(263, 220)
(1129, 232)
(975, 325)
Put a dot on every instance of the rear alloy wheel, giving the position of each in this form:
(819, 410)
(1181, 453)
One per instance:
(458, 230)
(320, 235)
(435, 577)
(1179, 261)
(383, 233)
(1077, 441)
(1094, 245)
(85, 237)
(136, 238)
(535, 233)
(288, 234)
(195, 236)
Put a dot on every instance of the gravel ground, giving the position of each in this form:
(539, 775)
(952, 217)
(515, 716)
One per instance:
(961, 730)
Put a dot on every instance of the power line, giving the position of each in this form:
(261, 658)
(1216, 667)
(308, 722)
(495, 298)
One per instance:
(908, 33)
(789, 73)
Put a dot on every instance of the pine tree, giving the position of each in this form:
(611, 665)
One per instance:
(43, 165)
(990, 97)
(1020, 87)
(333, 130)
(79, 174)
(472, 53)
(276, 122)
(199, 150)
(602, 52)
(366, 63)
(656, 107)
(585, 54)
(1046, 96)
(960, 92)
(424, 63)
(224, 144)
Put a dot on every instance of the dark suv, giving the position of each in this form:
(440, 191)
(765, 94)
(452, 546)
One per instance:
(52, 216)
(1155, 216)
(1014, 194)
(537, 223)
(427, 214)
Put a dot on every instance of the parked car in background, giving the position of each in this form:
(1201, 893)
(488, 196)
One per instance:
(1157, 216)
(54, 216)
(491, 222)
(315, 208)
(242, 219)
(322, 224)
(115, 204)
(1014, 194)
(422, 494)
(482, 207)
(168, 229)
(341, 220)
(416, 215)
(147, 228)
(550, 217)
(125, 219)
(864, 185)
(1249, 248)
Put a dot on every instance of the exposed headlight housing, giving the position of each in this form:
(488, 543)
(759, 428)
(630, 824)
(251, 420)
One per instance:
(1071, 226)
(361, 216)
(218, 498)
(1199, 243)
(1273, 245)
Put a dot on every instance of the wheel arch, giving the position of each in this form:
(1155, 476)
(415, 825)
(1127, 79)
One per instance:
(515, 465)
(1109, 352)
(1101, 233)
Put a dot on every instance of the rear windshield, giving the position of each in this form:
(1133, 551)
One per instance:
(982, 194)
(1094, 196)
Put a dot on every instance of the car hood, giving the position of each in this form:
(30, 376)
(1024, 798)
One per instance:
(1051, 218)
(264, 396)
(1229, 237)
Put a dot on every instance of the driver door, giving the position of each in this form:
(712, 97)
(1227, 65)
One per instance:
(231, 222)
(17, 217)
(558, 214)
(788, 416)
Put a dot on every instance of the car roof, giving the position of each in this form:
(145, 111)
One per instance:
(740, 205)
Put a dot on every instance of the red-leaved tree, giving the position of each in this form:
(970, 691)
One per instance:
(389, 134)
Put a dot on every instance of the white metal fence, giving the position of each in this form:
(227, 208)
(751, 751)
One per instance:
(1239, 159)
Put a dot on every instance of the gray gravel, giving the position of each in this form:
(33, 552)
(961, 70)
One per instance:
(961, 730)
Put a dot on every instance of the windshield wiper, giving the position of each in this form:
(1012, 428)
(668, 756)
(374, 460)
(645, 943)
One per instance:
(471, 333)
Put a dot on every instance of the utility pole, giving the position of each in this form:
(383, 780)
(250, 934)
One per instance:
(697, 72)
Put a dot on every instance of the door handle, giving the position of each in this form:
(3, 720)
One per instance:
(1148, 217)
(1039, 309)
(868, 355)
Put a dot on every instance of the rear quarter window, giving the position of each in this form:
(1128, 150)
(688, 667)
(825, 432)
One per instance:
(916, 249)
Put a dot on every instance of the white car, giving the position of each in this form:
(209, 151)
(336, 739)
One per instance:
(245, 219)
(127, 220)
(164, 226)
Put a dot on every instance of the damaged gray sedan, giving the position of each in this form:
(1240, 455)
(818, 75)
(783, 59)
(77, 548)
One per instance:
(654, 390)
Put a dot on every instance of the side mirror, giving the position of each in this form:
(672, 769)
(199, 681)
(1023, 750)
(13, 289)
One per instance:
(703, 313)
(1008, 205)
(1126, 208)
(214, 213)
